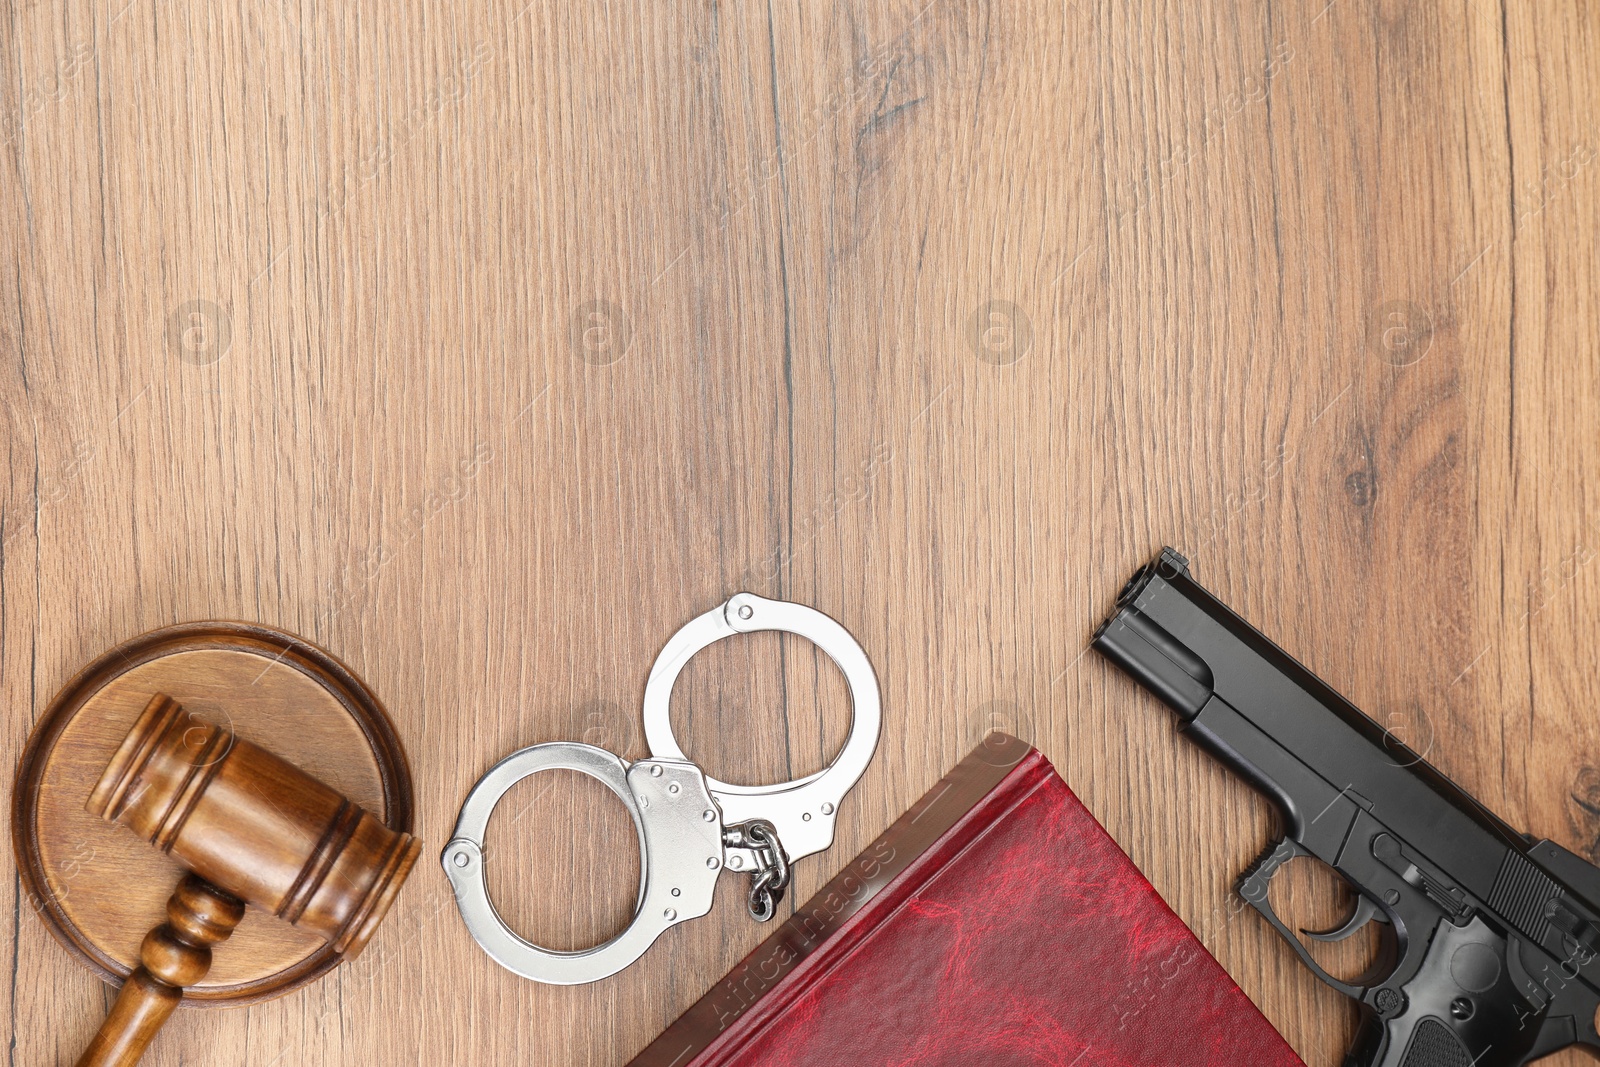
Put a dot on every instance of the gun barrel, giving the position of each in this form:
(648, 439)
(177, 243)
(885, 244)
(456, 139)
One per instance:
(1292, 735)
(1152, 656)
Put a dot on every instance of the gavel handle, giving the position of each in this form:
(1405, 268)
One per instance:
(174, 955)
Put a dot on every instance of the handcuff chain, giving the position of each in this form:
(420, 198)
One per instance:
(771, 875)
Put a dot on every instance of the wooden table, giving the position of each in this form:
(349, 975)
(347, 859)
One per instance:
(486, 344)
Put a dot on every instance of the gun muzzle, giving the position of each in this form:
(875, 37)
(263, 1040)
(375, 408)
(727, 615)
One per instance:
(1151, 655)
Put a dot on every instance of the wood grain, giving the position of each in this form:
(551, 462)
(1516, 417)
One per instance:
(486, 344)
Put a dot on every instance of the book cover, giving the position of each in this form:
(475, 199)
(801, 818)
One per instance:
(994, 923)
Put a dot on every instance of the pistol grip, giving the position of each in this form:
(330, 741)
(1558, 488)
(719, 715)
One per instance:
(1461, 1009)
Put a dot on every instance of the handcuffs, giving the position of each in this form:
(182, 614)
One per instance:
(690, 826)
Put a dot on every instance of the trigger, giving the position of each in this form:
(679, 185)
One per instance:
(1254, 885)
(1365, 912)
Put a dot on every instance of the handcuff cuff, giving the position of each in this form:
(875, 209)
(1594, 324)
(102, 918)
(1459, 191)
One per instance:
(690, 826)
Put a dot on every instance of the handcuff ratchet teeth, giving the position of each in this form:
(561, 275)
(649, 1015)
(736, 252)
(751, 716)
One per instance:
(689, 825)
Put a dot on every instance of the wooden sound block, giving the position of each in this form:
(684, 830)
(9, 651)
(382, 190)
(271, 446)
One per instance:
(99, 888)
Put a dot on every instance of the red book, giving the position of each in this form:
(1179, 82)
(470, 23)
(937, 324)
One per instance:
(995, 924)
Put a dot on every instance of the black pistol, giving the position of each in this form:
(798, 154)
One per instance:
(1489, 956)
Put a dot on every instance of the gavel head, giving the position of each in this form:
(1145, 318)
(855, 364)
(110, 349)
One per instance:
(254, 825)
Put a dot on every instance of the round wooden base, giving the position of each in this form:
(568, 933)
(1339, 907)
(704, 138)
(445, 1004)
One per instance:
(100, 888)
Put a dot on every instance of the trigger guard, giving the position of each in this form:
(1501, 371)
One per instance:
(1253, 886)
(680, 852)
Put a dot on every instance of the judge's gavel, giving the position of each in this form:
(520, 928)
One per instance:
(251, 829)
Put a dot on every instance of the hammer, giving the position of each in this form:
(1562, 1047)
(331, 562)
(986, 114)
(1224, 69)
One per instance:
(251, 829)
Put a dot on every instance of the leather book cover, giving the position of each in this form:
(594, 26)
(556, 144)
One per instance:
(994, 923)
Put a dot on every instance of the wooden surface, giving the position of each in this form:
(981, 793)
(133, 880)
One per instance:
(486, 344)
